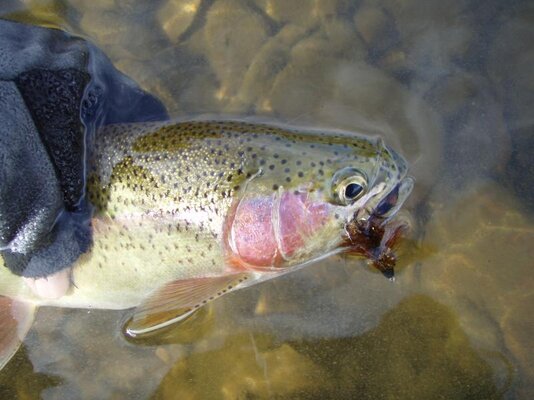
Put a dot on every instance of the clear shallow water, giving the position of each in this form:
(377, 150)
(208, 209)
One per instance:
(449, 85)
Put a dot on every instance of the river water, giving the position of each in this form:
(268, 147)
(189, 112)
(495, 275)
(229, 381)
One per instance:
(447, 84)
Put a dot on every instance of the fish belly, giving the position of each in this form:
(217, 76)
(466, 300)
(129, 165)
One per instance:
(127, 263)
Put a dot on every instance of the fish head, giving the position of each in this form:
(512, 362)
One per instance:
(317, 197)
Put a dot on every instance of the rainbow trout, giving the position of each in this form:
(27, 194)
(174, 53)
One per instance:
(185, 212)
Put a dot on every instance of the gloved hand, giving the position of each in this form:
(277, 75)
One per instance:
(55, 91)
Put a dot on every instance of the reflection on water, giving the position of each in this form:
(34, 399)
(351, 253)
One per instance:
(449, 84)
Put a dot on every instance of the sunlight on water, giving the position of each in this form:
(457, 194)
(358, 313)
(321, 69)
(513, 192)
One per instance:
(447, 84)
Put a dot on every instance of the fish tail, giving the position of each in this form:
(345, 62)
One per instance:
(16, 318)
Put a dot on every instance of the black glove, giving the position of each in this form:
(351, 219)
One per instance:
(55, 91)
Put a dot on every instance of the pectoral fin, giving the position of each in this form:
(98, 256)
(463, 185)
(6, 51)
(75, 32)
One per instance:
(177, 300)
(16, 318)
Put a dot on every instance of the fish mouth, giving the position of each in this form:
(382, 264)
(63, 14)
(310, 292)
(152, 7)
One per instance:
(376, 236)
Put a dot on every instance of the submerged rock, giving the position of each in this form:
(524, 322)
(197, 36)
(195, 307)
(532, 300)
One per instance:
(377, 28)
(23, 381)
(416, 341)
(510, 68)
(175, 17)
(287, 12)
(113, 29)
(225, 49)
(472, 118)
(510, 61)
(268, 62)
(520, 170)
(247, 365)
(433, 36)
(370, 21)
(304, 13)
(481, 271)
(78, 348)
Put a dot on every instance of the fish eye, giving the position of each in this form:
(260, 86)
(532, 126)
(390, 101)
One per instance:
(352, 190)
(349, 184)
